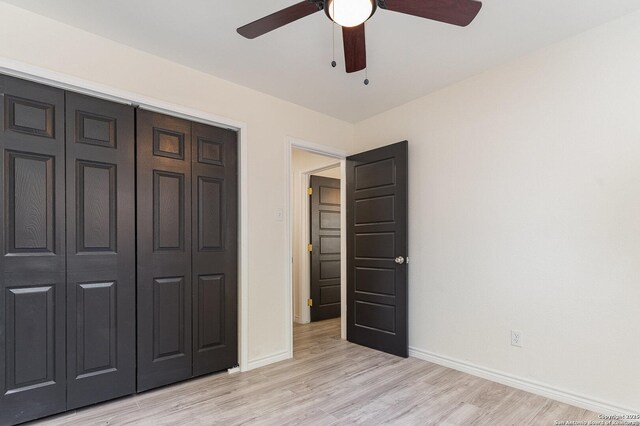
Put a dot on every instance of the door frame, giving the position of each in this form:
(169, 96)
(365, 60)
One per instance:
(305, 237)
(290, 144)
(68, 82)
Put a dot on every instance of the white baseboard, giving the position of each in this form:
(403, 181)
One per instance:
(269, 359)
(582, 401)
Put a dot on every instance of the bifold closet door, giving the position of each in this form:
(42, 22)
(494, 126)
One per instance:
(187, 249)
(164, 249)
(215, 249)
(32, 268)
(100, 250)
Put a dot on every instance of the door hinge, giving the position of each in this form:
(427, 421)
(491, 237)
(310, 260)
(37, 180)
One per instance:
(309, 191)
(310, 247)
(309, 302)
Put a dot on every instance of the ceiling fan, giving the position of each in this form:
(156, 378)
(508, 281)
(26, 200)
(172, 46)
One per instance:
(352, 14)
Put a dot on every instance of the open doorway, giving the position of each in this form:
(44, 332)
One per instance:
(373, 245)
(316, 209)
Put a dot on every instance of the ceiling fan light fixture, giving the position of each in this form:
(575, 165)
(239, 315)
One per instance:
(350, 13)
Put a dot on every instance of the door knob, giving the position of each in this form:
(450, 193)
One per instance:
(399, 260)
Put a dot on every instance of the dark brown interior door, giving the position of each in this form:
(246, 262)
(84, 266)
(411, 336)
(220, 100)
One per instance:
(215, 249)
(325, 255)
(32, 268)
(164, 249)
(377, 184)
(100, 250)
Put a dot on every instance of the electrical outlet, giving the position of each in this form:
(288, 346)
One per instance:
(516, 338)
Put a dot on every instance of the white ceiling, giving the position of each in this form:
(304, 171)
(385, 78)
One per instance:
(408, 57)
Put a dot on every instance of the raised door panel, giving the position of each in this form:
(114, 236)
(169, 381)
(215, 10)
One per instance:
(376, 174)
(211, 215)
(96, 207)
(375, 210)
(214, 213)
(329, 195)
(164, 288)
(381, 281)
(93, 128)
(168, 211)
(329, 220)
(168, 143)
(329, 269)
(100, 252)
(169, 332)
(29, 116)
(329, 244)
(32, 265)
(375, 316)
(30, 338)
(375, 245)
(29, 199)
(96, 329)
(211, 308)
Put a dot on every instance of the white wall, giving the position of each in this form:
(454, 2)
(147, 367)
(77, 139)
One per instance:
(525, 214)
(45, 43)
(301, 162)
(524, 198)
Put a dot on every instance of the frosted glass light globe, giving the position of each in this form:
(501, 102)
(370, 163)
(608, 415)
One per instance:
(350, 13)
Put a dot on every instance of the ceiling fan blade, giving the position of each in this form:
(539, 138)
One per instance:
(456, 12)
(278, 19)
(355, 49)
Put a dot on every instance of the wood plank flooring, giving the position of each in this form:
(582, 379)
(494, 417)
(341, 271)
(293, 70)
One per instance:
(331, 382)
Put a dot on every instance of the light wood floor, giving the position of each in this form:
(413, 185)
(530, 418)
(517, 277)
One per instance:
(332, 382)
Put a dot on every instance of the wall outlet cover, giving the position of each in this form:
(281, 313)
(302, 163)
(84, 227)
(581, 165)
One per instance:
(516, 338)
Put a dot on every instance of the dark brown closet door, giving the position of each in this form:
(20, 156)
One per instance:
(164, 249)
(32, 268)
(100, 250)
(325, 240)
(215, 258)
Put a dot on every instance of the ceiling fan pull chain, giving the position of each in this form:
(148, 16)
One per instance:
(333, 44)
(366, 75)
